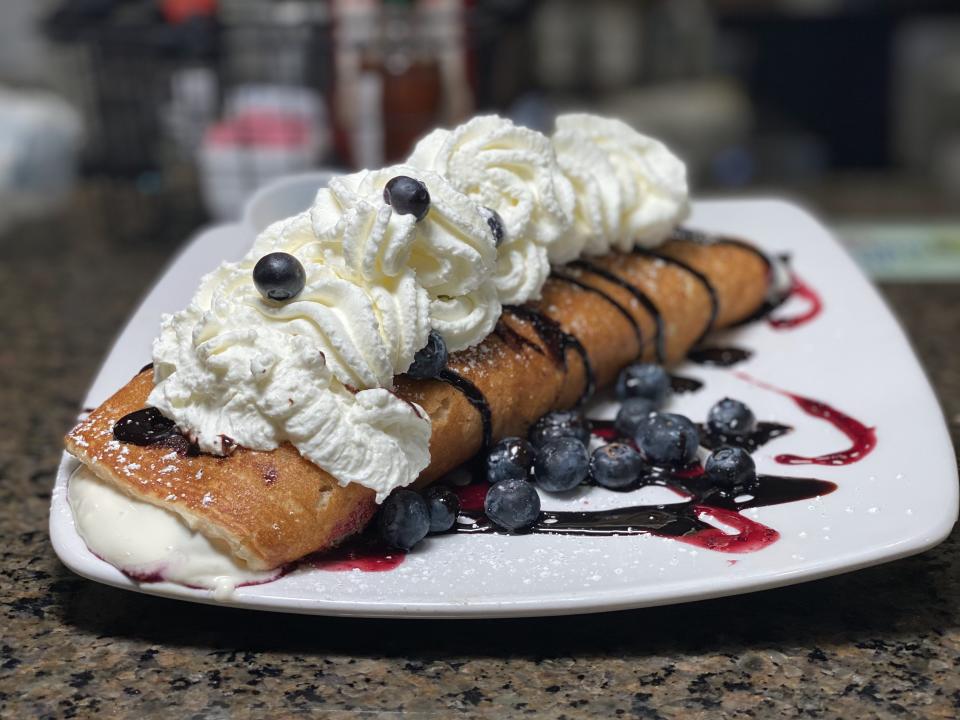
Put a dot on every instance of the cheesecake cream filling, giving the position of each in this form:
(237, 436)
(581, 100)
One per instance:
(149, 543)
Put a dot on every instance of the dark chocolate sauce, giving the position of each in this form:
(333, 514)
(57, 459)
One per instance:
(703, 279)
(686, 520)
(514, 340)
(474, 396)
(148, 366)
(763, 433)
(863, 439)
(620, 308)
(719, 356)
(641, 297)
(683, 384)
(557, 340)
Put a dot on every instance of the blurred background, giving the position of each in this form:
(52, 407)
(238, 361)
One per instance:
(137, 121)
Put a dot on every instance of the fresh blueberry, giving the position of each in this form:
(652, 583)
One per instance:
(561, 423)
(632, 412)
(668, 439)
(644, 380)
(279, 276)
(496, 224)
(430, 359)
(731, 418)
(511, 458)
(443, 505)
(512, 504)
(731, 468)
(561, 464)
(615, 466)
(407, 196)
(404, 519)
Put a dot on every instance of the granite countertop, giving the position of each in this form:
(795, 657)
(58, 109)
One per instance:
(883, 642)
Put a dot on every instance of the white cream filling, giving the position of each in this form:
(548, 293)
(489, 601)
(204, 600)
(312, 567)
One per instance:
(143, 540)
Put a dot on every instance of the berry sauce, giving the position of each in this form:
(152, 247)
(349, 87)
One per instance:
(799, 289)
(365, 552)
(863, 438)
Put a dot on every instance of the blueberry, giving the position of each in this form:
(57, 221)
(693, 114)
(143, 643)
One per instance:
(407, 196)
(668, 439)
(615, 466)
(644, 380)
(512, 504)
(731, 418)
(561, 464)
(430, 359)
(731, 468)
(279, 276)
(496, 224)
(404, 519)
(632, 412)
(561, 423)
(511, 458)
(443, 506)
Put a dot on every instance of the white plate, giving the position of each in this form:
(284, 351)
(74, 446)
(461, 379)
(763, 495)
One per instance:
(900, 499)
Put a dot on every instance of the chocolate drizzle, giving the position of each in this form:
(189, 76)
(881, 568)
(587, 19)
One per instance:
(557, 340)
(708, 286)
(682, 520)
(619, 308)
(640, 295)
(474, 396)
(684, 384)
(719, 356)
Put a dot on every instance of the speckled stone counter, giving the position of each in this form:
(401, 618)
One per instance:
(883, 642)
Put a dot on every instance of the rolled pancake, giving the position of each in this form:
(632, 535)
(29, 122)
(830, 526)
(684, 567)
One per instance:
(271, 508)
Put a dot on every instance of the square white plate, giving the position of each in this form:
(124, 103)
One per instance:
(899, 500)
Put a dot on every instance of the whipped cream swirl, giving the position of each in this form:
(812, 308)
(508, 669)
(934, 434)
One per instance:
(236, 368)
(630, 189)
(316, 370)
(512, 170)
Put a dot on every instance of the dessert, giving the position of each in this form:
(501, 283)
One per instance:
(411, 317)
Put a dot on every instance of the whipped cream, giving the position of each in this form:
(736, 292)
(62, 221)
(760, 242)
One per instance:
(316, 370)
(630, 189)
(512, 170)
(145, 541)
(234, 368)
(451, 251)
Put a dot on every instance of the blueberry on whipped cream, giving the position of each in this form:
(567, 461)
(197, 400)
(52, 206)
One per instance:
(279, 276)
(407, 196)
(430, 359)
(496, 224)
